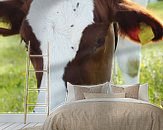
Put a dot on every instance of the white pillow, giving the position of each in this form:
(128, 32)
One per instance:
(143, 92)
(103, 95)
(76, 92)
(131, 91)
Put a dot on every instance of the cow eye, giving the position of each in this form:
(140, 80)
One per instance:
(100, 42)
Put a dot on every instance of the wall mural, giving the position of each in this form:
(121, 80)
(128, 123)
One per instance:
(81, 38)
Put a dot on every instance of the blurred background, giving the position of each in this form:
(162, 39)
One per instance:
(13, 66)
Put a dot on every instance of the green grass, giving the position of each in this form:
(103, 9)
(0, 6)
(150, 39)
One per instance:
(152, 71)
(13, 60)
(152, 62)
(157, 9)
(12, 75)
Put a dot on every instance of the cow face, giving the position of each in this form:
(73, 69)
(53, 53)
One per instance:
(81, 37)
(94, 56)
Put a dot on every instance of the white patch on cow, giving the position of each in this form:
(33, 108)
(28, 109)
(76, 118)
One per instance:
(59, 23)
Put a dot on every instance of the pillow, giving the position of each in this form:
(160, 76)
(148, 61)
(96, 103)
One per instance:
(103, 95)
(76, 92)
(143, 92)
(131, 91)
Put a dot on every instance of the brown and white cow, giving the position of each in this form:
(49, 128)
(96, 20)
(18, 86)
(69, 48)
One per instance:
(80, 33)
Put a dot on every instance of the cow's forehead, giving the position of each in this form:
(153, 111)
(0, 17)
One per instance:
(69, 18)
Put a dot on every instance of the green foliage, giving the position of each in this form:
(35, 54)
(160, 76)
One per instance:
(152, 62)
(160, 0)
(152, 71)
(157, 9)
(12, 75)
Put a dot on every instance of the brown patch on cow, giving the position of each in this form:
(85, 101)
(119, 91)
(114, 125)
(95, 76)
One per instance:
(26, 6)
(10, 12)
(104, 10)
(92, 64)
(28, 35)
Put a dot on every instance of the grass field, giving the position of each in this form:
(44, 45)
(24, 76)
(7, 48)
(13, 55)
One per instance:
(12, 74)
(12, 70)
(152, 62)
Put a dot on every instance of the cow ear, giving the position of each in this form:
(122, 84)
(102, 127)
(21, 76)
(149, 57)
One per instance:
(12, 14)
(137, 23)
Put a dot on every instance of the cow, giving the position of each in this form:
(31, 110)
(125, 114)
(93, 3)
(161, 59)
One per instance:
(81, 35)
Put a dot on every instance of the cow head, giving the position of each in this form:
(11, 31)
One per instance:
(94, 56)
(80, 34)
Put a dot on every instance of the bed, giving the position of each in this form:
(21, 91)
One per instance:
(104, 114)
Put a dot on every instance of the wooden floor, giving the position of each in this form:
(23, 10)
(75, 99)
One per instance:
(17, 126)
(16, 121)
